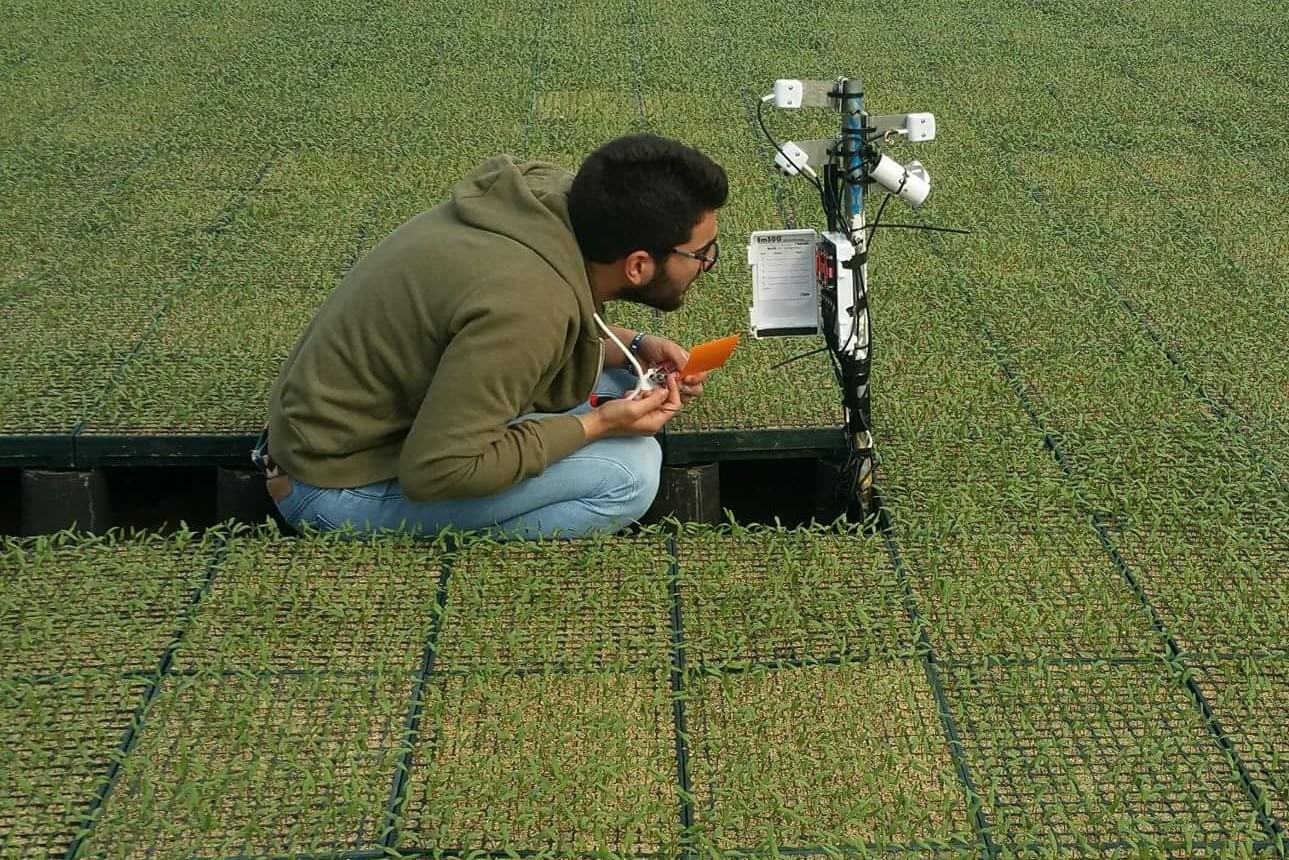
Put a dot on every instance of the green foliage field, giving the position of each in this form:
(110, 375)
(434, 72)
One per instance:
(1069, 640)
(707, 691)
(180, 198)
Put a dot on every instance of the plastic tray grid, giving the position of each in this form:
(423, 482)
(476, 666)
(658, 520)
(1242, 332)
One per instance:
(937, 396)
(1215, 591)
(931, 482)
(223, 333)
(828, 756)
(1025, 593)
(184, 393)
(1092, 759)
(48, 390)
(315, 605)
(571, 763)
(545, 606)
(57, 741)
(773, 596)
(107, 606)
(230, 765)
(1250, 701)
(245, 560)
(748, 416)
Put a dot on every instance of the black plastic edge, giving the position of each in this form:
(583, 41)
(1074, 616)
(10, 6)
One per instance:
(686, 789)
(951, 849)
(787, 332)
(702, 667)
(475, 854)
(89, 450)
(226, 449)
(704, 446)
(37, 451)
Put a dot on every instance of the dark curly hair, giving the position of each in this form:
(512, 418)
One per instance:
(642, 192)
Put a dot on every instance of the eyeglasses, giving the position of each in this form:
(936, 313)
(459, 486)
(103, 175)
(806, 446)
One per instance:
(708, 262)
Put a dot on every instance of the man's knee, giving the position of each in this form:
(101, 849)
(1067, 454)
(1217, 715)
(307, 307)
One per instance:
(641, 461)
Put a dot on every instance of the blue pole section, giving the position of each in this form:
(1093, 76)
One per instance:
(852, 109)
(855, 367)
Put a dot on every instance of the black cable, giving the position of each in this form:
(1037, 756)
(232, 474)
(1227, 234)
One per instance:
(839, 198)
(872, 230)
(761, 119)
(831, 198)
(798, 357)
(929, 228)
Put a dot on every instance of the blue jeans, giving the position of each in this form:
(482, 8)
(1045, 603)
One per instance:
(599, 489)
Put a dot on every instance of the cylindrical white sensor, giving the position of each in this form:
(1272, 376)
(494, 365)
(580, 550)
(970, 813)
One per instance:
(911, 183)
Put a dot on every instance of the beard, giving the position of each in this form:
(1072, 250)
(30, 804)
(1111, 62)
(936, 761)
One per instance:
(661, 293)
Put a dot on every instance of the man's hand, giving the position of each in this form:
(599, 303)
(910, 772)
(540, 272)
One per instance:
(656, 351)
(643, 416)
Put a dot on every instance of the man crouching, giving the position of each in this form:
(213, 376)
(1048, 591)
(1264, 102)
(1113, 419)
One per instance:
(448, 380)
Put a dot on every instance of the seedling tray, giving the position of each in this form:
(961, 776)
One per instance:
(58, 740)
(770, 596)
(830, 756)
(1216, 590)
(238, 765)
(71, 606)
(1094, 758)
(1026, 593)
(315, 606)
(1250, 701)
(547, 762)
(587, 606)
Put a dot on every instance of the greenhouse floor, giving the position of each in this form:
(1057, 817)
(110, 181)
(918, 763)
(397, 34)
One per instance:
(684, 691)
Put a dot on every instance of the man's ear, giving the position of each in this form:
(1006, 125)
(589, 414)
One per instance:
(638, 267)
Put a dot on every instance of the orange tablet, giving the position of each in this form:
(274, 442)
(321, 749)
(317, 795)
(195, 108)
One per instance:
(710, 355)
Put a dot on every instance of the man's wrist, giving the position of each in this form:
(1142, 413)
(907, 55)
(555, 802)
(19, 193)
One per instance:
(634, 348)
(593, 426)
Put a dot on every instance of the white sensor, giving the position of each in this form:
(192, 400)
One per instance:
(921, 126)
(787, 93)
(796, 160)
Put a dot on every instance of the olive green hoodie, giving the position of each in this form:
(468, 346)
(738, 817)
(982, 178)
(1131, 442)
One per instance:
(467, 316)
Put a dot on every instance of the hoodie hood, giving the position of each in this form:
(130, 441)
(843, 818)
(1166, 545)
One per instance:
(528, 202)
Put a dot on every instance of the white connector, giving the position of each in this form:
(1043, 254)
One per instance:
(793, 160)
(645, 380)
(788, 93)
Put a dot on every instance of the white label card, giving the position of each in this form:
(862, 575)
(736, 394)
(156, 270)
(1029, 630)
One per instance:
(784, 292)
